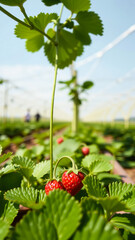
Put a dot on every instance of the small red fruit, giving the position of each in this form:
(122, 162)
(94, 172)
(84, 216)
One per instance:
(85, 151)
(60, 140)
(72, 182)
(51, 185)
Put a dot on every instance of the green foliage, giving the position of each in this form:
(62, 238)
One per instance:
(97, 229)
(41, 169)
(77, 6)
(13, 2)
(7, 210)
(68, 211)
(90, 22)
(28, 197)
(4, 228)
(34, 39)
(35, 225)
(82, 35)
(124, 221)
(10, 180)
(50, 2)
(99, 166)
(5, 156)
(120, 189)
(93, 187)
(90, 205)
(66, 54)
(100, 160)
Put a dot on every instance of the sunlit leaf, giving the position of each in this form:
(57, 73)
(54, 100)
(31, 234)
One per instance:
(68, 211)
(35, 225)
(66, 54)
(82, 35)
(28, 197)
(5, 156)
(120, 189)
(41, 169)
(99, 166)
(4, 228)
(77, 6)
(90, 22)
(34, 39)
(93, 187)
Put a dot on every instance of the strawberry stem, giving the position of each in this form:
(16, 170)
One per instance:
(73, 165)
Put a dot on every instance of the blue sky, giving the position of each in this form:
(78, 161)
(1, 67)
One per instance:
(24, 68)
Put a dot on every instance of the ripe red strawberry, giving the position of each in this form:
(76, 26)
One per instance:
(51, 185)
(60, 140)
(72, 182)
(85, 151)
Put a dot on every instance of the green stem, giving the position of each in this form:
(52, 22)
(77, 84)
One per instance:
(31, 26)
(73, 164)
(53, 96)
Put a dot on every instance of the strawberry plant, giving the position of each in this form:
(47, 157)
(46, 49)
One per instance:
(93, 211)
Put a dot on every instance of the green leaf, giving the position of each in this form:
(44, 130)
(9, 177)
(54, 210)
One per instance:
(35, 225)
(112, 204)
(129, 199)
(77, 6)
(7, 169)
(124, 221)
(87, 161)
(90, 205)
(41, 169)
(50, 2)
(24, 166)
(120, 189)
(66, 54)
(82, 35)
(28, 197)
(4, 228)
(93, 187)
(7, 210)
(87, 85)
(5, 156)
(10, 180)
(34, 39)
(99, 166)
(97, 229)
(90, 22)
(63, 210)
(12, 2)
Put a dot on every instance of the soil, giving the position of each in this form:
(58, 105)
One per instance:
(131, 173)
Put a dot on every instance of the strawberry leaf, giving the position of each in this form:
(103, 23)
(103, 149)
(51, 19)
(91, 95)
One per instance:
(7, 210)
(34, 39)
(82, 35)
(66, 55)
(90, 205)
(41, 169)
(97, 229)
(5, 156)
(124, 221)
(120, 189)
(35, 225)
(77, 6)
(4, 228)
(50, 2)
(68, 211)
(90, 22)
(99, 166)
(13, 2)
(28, 197)
(93, 187)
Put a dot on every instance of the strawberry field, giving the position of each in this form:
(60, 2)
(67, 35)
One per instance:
(58, 179)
